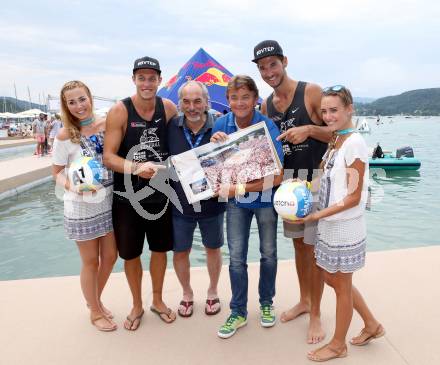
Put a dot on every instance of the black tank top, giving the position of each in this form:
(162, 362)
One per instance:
(304, 156)
(149, 137)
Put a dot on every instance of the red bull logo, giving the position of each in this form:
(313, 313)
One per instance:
(213, 76)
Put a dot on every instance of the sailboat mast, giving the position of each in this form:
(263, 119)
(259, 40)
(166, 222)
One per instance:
(16, 100)
(30, 100)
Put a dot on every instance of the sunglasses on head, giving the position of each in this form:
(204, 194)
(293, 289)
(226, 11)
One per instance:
(334, 88)
(98, 146)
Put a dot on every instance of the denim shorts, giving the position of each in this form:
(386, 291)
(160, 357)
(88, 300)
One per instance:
(211, 229)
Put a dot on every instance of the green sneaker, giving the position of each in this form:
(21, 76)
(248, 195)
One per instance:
(232, 324)
(267, 316)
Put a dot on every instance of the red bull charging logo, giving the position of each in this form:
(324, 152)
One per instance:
(213, 76)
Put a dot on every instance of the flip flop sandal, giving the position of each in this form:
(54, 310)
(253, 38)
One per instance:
(161, 314)
(189, 306)
(335, 354)
(209, 304)
(380, 331)
(103, 329)
(131, 321)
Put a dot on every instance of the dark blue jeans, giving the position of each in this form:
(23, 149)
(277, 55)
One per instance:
(238, 223)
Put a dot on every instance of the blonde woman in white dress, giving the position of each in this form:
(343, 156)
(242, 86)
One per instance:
(87, 216)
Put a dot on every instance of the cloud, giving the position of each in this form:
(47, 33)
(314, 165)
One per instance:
(375, 47)
(27, 38)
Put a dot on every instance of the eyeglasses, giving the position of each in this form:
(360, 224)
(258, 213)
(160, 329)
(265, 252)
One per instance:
(98, 145)
(335, 88)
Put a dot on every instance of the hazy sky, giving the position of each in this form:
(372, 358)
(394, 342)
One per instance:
(376, 48)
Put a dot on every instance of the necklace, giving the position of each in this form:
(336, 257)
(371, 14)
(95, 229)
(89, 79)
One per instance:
(345, 131)
(86, 122)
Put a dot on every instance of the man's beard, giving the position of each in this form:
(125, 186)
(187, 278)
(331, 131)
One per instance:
(194, 119)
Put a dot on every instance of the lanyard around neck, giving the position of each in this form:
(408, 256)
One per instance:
(189, 139)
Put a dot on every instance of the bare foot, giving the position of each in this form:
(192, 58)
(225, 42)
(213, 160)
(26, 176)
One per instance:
(296, 311)
(315, 334)
(106, 311)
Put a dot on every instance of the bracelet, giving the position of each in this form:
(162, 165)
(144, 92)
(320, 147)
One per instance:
(240, 190)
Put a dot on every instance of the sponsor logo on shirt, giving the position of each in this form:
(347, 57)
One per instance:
(149, 138)
(138, 124)
(287, 124)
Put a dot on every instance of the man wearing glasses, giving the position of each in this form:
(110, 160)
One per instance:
(295, 107)
(135, 147)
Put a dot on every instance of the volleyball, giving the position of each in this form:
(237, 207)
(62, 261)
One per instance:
(85, 173)
(293, 200)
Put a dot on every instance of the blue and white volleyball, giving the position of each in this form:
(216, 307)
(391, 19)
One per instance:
(85, 173)
(293, 200)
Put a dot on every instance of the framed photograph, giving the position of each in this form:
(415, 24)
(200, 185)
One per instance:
(246, 155)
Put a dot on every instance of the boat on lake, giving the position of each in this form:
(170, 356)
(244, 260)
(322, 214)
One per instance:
(403, 159)
(363, 127)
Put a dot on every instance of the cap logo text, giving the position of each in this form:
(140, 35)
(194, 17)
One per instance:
(265, 49)
(140, 63)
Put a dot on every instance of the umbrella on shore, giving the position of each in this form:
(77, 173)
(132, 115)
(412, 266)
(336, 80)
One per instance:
(8, 115)
(30, 113)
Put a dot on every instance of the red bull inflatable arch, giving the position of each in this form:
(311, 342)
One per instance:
(204, 68)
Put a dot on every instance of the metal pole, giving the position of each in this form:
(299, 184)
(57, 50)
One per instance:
(16, 102)
(30, 100)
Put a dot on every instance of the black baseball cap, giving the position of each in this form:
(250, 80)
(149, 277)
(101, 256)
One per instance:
(146, 62)
(267, 48)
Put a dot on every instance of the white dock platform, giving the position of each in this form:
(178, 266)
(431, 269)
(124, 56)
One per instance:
(18, 173)
(45, 321)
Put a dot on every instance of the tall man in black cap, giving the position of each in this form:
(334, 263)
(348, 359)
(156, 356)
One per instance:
(135, 146)
(295, 107)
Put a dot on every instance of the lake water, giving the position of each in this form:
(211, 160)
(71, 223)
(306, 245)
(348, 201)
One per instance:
(405, 212)
(16, 152)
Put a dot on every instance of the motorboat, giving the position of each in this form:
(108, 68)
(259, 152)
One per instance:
(403, 159)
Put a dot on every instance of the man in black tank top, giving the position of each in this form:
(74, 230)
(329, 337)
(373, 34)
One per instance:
(136, 149)
(295, 107)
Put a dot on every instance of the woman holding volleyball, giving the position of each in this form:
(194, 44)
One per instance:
(87, 216)
(341, 242)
